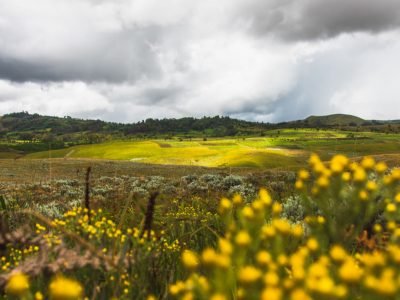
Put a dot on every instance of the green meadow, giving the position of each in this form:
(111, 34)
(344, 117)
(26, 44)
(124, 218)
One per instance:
(279, 148)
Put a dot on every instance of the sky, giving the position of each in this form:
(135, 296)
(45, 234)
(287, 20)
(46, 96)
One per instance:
(259, 60)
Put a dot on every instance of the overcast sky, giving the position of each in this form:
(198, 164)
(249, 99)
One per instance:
(264, 60)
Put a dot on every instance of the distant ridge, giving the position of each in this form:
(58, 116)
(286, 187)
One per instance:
(34, 127)
(37, 126)
(334, 120)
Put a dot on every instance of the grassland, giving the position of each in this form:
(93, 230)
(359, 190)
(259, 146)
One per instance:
(185, 244)
(44, 203)
(287, 148)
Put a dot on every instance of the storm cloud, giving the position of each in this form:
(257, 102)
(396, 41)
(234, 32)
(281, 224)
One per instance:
(264, 60)
(317, 19)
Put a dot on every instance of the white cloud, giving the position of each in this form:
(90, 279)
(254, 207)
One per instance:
(130, 60)
(65, 98)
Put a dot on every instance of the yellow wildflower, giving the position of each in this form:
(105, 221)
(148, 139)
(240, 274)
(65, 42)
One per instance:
(368, 163)
(350, 271)
(223, 261)
(397, 198)
(304, 175)
(396, 174)
(323, 182)
(340, 291)
(377, 228)
(314, 159)
(391, 225)
(371, 186)
(276, 208)
(258, 206)
(381, 167)
(297, 230)
(363, 195)
(312, 244)
(243, 239)
(237, 199)
(271, 293)
(39, 296)
(299, 294)
(325, 285)
(338, 253)
(209, 256)
(268, 231)
(62, 288)
(176, 288)
(225, 246)
(190, 259)
(224, 205)
(188, 296)
(359, 175)
(346, 176)
(391, 208)
(248, 212)
(321, 220)
(218, 297)
(281, 225)
(265, 197)
(338, 163)
(248, 274)
(17, 285)
(263, 258)
(299, 184)
(271, 279)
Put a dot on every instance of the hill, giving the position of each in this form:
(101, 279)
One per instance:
(35, 127)
(334, 120)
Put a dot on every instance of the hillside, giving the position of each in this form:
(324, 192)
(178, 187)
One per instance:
(334, 120)
(23, 121)
(25, 126)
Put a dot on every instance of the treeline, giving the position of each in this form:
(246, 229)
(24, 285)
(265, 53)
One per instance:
(25, 122)
(212, 126)
(35, 127)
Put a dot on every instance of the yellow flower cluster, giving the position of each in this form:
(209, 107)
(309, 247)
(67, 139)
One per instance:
(106, 231)
(17, 285)
(263, 256)
(192, 211)
(15, 256)
(132, 246)
(348, 194)
(60, 288)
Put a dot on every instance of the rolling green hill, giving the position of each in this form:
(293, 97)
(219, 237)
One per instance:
(334, 120)
(27, 126)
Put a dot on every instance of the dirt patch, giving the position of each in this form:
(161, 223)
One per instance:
(218, 144)
(163, 145)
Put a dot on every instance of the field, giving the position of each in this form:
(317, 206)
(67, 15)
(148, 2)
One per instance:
(216, 218)
(287, 148)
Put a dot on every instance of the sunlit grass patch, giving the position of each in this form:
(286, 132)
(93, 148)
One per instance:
(258, 158)
(275, 149)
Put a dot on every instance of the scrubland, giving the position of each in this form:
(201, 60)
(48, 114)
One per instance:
(270, 220)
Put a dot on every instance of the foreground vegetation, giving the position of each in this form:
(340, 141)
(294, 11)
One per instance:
(337, 237)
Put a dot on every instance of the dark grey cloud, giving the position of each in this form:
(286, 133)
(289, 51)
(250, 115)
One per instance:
(123, 56)
(321, 19)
